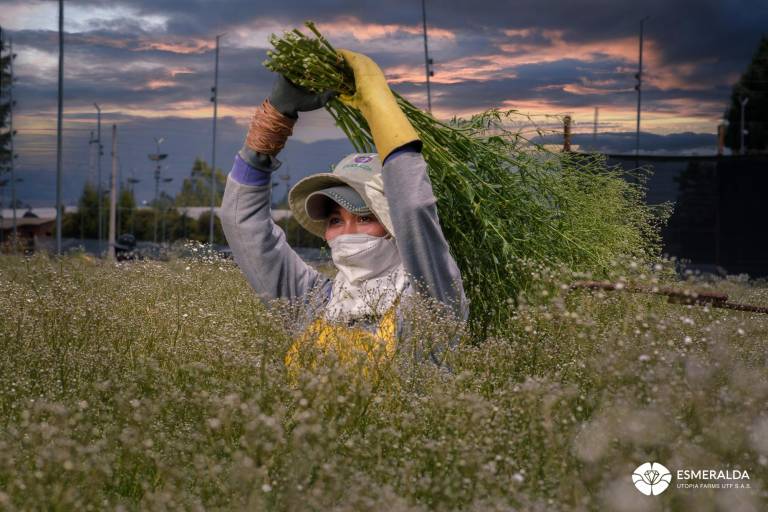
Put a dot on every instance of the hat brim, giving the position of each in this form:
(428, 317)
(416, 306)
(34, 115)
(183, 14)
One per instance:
(320, 203)
(297, 198)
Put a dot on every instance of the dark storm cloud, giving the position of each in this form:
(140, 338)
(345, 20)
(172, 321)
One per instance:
(545, 81)
(684, 32)
(112, 70)
(126, 63)
(685, 29)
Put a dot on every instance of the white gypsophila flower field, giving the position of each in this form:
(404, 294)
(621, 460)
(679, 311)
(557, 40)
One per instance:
(159, 386)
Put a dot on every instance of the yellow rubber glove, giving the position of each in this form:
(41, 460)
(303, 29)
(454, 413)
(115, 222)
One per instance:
(389, 125)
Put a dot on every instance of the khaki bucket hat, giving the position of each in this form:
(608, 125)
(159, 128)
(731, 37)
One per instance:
(362, 172)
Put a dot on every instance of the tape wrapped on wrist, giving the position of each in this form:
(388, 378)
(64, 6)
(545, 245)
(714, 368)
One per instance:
(269, 130)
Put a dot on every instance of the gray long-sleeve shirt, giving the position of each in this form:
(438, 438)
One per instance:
(273, 268)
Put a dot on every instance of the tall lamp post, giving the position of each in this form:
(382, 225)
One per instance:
(639, 87)
(215, 100)
(157, 157)
(427, 60)
(59, 117)
(99, 153)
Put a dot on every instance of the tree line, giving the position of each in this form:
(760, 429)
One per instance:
(165, 221)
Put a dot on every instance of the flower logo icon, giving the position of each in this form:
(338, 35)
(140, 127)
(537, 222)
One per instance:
(651, 478)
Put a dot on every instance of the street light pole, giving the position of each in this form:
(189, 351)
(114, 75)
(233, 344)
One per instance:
(743, 131)
(638, 87)
(157, 157)
(98, 174)
(59, 111)
(427, 61)
(215, 100)
(113, 199)
(12, 133)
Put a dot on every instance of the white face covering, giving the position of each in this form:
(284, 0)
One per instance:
(370, 276)
(361, 256)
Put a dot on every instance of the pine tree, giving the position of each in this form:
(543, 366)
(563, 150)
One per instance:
(753, 84)
(196, 189)
(126, 207)
(88, 211)
(84, 223)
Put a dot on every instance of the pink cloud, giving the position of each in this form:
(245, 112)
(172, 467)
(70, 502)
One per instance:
(518, 32)
(501, 63)
(185, 46)
(99, 40)
(184, 70)
(557, 48)
(160, 84)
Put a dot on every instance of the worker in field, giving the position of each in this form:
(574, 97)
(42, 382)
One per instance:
(376, 211)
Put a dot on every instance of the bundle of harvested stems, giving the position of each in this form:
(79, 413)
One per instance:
(506, 206)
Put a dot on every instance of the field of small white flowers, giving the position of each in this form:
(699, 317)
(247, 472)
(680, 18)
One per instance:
(160, 386)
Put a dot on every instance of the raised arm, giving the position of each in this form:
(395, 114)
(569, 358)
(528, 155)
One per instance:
(259, 246)
(420, 240)
(412, 204)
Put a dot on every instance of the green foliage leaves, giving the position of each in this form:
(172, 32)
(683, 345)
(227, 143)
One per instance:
(196, 189)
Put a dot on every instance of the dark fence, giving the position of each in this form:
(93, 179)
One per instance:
(719, 219)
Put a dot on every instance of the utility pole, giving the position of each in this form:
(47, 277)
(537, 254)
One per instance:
(99, 153)
(91, 172)
(427, 61)
(721, 137)
(638, 87)
(594, 130)
(157, 157)
(12, 133)
(215, 100)
(113, 198)
(91, 159)
(60, 108)
(567, 134)
(743, 128)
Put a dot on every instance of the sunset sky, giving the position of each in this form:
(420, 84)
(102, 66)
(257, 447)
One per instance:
(149, 64)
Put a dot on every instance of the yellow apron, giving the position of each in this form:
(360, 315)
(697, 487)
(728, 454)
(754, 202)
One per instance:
(350, 345)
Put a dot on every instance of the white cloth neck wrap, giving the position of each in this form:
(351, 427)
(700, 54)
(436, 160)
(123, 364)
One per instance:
(371, 276)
